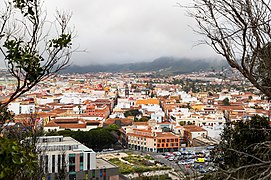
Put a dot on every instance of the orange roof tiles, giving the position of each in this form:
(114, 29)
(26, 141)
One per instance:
(166, 134)
(140, 123)
(124, 121)
(72, 125)
(51, 124)
(193, 128)
(147, 101)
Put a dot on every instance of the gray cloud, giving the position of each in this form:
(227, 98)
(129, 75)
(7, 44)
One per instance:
(130, 30)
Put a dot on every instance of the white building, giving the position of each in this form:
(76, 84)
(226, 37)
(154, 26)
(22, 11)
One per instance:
(60, 153)
(21, 108)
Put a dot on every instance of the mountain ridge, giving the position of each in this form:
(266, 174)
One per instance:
(167, 65)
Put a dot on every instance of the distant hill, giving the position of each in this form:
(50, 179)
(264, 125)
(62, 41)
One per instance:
(165, 65)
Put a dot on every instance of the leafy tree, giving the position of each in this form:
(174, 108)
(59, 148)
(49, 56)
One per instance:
(113, 127)
(245, 150)
(31, 54)
(182, 123)
(226, 102)
(97, 139)
(17, 161)
(132, 112)
(239, 30)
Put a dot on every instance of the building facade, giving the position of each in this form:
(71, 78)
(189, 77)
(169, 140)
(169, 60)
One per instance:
(64, 155)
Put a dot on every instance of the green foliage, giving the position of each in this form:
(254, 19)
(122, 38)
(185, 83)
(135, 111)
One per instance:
(182, 123)
(17, 161)
(63, 41)
(226, 102)
(124, 168)
(113, 127)
(244, 144)
(5, 115)
(148, 157)
(143, 119)
(133, 112)
(137, 164)
(30, 52)
(97, 139)
(23, 57)
(30, 59)
(156, 177)
(26, 7)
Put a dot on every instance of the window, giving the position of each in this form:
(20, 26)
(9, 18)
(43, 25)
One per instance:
(71, 162)
(53, 164)
(58, 162)
(63, 161)
(72, 168)
(71, 158)
(88, 161)
(81, 161)
(46, 163)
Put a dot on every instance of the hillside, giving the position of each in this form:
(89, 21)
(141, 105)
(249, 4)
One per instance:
(165, 65)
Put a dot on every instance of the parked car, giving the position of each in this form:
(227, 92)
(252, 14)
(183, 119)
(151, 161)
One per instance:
(202, 170)
(182, 162)
(200, 160)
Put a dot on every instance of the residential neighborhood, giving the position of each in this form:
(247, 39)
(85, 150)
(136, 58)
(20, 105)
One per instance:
(152, 114)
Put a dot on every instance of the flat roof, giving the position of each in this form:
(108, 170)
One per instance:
(67, 141)
(101, 163)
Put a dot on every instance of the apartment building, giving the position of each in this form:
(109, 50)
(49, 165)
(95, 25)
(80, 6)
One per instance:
(151, 140)
(100, 111)
(192, 131)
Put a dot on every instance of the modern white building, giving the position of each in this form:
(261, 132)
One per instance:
(58, 154)
(21, 108)
(60, 151)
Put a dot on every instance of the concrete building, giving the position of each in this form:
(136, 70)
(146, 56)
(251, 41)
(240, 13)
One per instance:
(65, 154)
(21, 107)
(150, 138)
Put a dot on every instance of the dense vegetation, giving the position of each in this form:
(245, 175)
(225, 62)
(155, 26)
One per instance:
(31, 54)
(245, 150)
(97, 139)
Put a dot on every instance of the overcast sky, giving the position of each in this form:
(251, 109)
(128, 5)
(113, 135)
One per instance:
(119, 31)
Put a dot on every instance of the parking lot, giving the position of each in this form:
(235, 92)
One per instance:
(191, 162)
